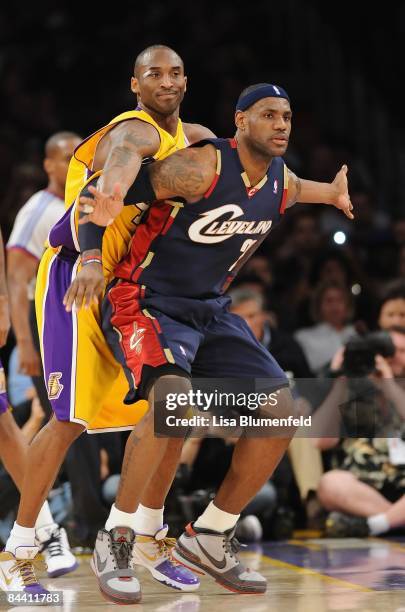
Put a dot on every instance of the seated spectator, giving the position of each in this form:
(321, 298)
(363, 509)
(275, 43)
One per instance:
(392, 306)
(332, 308)
(366, 494)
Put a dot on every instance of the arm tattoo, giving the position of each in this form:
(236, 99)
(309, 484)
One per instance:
(128, 148)
(120, 157)
(137, 140)
(181, 174)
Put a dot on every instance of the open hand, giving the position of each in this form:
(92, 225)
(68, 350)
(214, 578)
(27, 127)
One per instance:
(343, 199)
(87, 287)
(103, 208)
(28, 358)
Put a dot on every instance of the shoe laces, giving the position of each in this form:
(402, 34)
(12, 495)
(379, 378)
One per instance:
(54, 544)
(232, 545)
(122, 551)
(166, 546)
(26, 569)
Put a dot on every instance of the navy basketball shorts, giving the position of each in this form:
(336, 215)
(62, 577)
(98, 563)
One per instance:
(199, 338)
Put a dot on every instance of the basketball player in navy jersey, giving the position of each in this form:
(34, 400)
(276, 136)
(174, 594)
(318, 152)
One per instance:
(166, 316)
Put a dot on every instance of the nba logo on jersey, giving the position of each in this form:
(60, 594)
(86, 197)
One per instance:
(275, 186)
(54, 386)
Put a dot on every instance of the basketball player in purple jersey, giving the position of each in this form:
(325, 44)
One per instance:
(154, 129)
(166, 315)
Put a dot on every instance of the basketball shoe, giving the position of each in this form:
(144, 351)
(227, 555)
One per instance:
(18, 575)
(155, 553)
(213, 553)
(54, 546)
(113, 566)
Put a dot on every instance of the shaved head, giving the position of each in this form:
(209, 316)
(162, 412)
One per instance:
(57, 141)
(145, 56)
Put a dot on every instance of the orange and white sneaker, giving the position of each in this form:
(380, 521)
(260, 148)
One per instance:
(155, 553)
(214, 553)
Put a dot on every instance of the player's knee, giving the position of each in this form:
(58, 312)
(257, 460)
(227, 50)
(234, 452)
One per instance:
(65, 432)
(282, 412)
(171, 405)
(170, 392)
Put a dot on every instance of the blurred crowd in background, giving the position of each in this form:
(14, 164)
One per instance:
(318, 280)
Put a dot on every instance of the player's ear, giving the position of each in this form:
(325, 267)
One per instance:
(185, 83)
(48, 165)
(240, 120)
(134, 85)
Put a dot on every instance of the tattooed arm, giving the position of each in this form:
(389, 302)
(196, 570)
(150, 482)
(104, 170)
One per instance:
(121, 151)
(119, 155)
(187, 173)
(312, 192)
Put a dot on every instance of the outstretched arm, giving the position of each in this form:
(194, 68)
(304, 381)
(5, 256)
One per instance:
(119, 155)
(187, 173)
(312, 192)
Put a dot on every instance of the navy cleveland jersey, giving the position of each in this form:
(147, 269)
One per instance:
(195, 250)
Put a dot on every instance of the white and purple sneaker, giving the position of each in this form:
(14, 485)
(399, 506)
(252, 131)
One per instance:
(155, 553)
(18, 575)
(54, 546)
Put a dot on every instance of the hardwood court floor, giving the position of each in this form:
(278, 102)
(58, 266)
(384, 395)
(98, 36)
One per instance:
(315, 575)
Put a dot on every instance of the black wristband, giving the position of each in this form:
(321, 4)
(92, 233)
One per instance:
(91, 237)
(90, 234)
(141, 190)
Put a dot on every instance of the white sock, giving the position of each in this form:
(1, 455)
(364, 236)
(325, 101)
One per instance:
(20, 537)
(45, 518)
(378, 523)
(117, 518)
(216, 519)
(148, 520)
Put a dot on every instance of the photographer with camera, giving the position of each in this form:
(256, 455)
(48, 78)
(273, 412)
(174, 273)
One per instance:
(366, 494)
